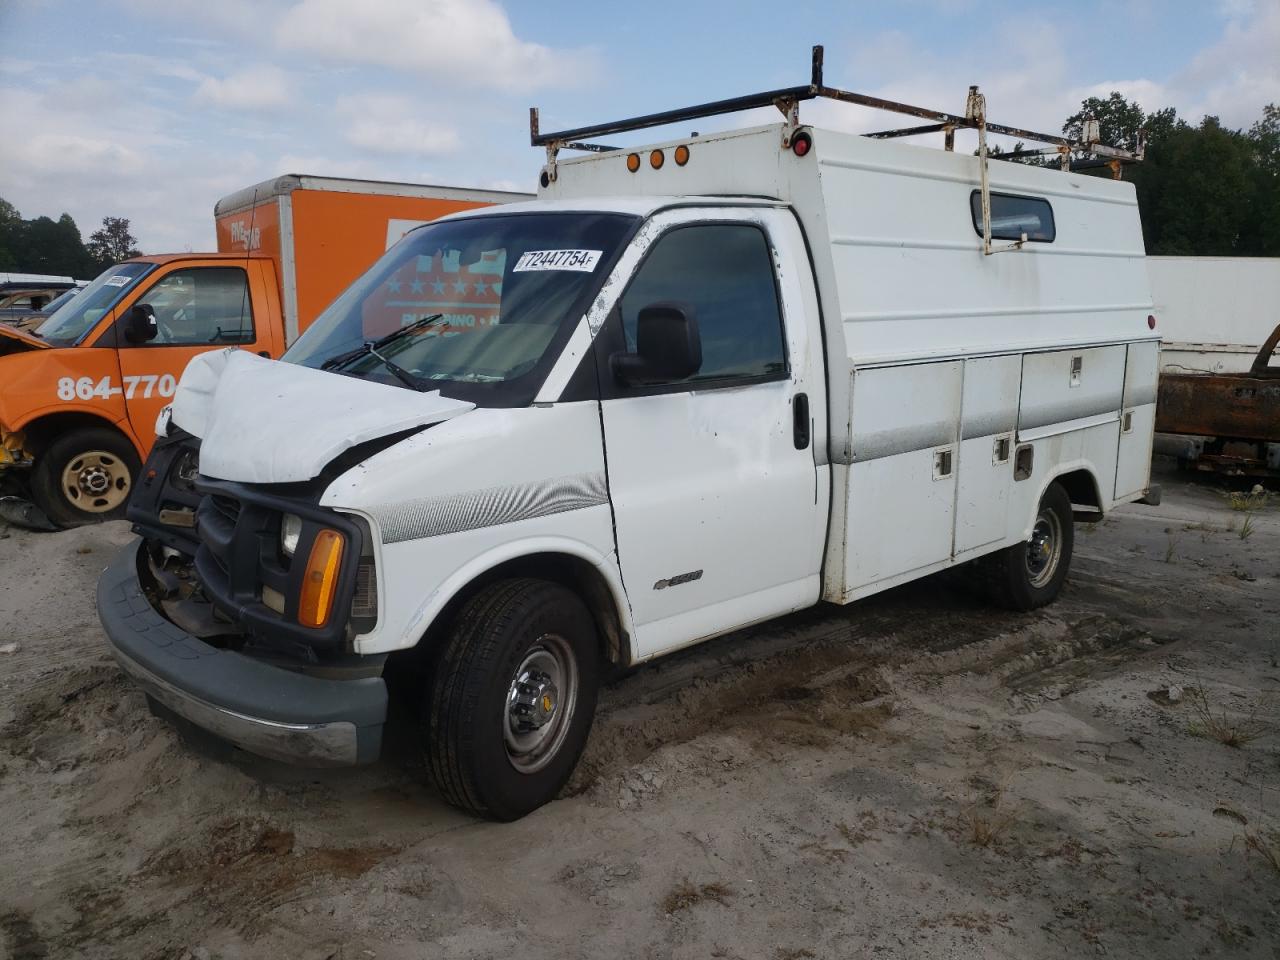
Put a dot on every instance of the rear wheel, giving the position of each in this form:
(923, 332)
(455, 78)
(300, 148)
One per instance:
(85, 476)
(512, 699)
(1030, 574)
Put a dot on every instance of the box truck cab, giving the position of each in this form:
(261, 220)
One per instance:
(712, 381)
(79, 395)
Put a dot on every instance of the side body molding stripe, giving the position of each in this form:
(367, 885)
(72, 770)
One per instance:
(438, 516)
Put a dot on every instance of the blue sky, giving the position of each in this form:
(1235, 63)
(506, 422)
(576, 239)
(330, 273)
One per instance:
(154, 109)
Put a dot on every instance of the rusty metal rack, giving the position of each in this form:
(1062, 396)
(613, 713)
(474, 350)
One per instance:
(1074, 154)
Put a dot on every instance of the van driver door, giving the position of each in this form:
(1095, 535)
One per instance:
(719, 507)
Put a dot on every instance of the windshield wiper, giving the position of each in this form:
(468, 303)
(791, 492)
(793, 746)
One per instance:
(416, 325)
(342, 359)
(371, 347)
(401, 374)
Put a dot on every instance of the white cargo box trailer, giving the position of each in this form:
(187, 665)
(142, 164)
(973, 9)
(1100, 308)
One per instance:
(1214, 312)
(719, 379)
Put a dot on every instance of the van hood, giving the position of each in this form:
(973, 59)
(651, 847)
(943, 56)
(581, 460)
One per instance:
(264, 421)
(15, 340)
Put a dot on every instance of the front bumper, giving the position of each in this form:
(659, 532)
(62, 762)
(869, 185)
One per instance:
(261, 708)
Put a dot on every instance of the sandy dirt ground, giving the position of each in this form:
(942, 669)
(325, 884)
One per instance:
(914, 776)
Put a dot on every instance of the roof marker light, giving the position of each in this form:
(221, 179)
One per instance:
(633, 162)
(681, 155)
(656, 159)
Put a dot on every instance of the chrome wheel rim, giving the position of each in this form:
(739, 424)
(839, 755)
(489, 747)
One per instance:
(541, 698)
(96, 481)
(1044, 549)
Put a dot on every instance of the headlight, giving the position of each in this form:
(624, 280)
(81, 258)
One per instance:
(290, 531)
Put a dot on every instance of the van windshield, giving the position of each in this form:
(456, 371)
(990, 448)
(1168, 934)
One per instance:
(491, 300)
(80, 314)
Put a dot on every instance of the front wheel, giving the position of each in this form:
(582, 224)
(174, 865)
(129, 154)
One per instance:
(1030, 574)
(85, 476)
(512, 699)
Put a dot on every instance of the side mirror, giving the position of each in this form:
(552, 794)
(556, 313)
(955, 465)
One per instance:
(668, 347)
(140, 326)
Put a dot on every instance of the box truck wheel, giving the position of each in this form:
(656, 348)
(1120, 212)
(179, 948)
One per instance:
(1029, 575)
(512, 699)
(84, 476)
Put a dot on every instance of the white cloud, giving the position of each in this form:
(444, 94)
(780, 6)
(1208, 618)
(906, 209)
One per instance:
(70, 154)
(390, 124)
(320, 165)
(470, 42)
(254, 88)
(1034, 83)
(236, 17)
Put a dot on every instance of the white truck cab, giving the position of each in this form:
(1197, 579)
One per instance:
(688, 388)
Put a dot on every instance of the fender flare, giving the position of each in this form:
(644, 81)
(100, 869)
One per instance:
(484, 563)
(86, 411)
(1060, 470)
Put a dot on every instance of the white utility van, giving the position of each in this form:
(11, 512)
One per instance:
(689, 388)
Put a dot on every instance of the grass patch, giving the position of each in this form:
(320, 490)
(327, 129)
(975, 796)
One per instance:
(686, 894)
(986, 822)
(1214, 723)
(1247, 502)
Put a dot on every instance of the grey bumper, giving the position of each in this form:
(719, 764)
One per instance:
(263, 709)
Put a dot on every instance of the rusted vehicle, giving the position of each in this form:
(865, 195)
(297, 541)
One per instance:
(1229, 422)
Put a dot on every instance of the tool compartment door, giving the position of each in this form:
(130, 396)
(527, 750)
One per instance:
(902, 481)
(987, 419)
(1137, 418)
(1068, 390)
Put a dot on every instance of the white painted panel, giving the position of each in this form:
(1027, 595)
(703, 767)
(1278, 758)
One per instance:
(1070, 385)
(1092, 450)
(899, 517)
(903, 408)
(1213, 312)
(1137, 419)
(988, 416)
(899, 511)
(708, 486)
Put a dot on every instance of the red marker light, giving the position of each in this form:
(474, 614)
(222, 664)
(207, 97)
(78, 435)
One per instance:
(1151, 321)
(801, 143)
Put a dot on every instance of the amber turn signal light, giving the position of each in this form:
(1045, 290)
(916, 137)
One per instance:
(655, 159)
(320, 580)
(633, 162)
(681, 155)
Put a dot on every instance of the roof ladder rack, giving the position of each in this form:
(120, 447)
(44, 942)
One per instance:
(788, 99)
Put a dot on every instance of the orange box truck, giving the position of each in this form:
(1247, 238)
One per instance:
(79, 396)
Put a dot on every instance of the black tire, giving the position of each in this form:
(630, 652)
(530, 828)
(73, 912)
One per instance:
(473, 748)
(1015, 576)
(106, 467)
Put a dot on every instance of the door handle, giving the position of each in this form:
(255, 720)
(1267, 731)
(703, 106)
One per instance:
(800, 420)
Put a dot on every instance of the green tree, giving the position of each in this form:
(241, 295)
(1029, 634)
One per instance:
(54, 247)
(1205, 190)
(113, 242)
(1264, 136)
(1196, 193)
(11, 228)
